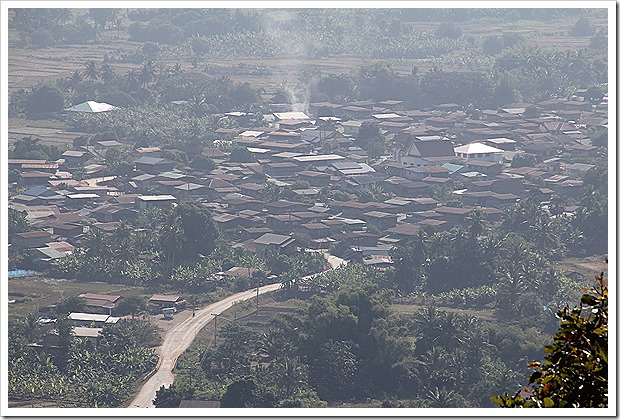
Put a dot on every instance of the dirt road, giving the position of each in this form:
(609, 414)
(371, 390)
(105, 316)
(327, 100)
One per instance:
(179, 338)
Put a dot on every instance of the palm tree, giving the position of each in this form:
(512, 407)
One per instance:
(291, 375)
(31, 326)
(172, 239)
(95, 243)
(75, 80)
(427, 327)
(441, 398)
(477, 225)
(91, 71)
(107, 73)
(511, 287)
(122, 239)
(147, 72)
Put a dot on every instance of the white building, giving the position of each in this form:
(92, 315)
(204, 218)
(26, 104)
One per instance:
(479, 151)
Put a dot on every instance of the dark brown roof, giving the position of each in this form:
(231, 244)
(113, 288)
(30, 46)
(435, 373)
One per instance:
(435, 148)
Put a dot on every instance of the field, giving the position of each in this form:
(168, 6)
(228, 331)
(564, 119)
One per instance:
(27, 67)
(31, 293)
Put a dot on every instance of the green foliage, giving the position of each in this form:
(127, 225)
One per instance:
(199, 229)
(31, 148)
(242, 155)
(202, 162)
(70, 304)
(575, 370)
(17, 222)
(131, 305)
(45, 98)
(79, 374)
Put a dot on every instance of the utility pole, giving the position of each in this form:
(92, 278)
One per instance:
(257, 287)
(215, 315)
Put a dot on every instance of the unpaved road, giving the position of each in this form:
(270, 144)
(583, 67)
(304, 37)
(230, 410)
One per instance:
(179, 338)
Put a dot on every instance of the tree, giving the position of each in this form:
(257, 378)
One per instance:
(203, 162)
(17, 222)
(493, 45)
(132, 305)
(242, 155)
(107, 73)
(46, 98)
(101, 17)
(583, 27)
(574, 374)
(247, 393)
(70, 304)
(91, 71)
(199, 229)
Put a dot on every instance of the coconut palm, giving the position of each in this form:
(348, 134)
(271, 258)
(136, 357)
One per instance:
(91, 70)
(107, 73)
(477, 223)
(172, 239)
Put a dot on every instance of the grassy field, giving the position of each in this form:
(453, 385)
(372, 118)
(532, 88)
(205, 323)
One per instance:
(31, 293)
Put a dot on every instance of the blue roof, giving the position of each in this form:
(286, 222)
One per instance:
(452, 167)
(37, 191)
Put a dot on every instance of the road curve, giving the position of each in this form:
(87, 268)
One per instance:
(179, 338)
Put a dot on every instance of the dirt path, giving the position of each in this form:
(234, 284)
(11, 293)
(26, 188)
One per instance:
(179, 338)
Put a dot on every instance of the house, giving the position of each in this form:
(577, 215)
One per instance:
(502, 143)
(315, 179)
(82, 319)
(284, 169)
(154, 165)
(80, 200)
(485, 167)
(351, 127)
(90, 334)
(162, 201)
(380, 219)
(113, 213)
(34, 239)
(67, 230)
(273, 243)
(52, 251)
(479, 151)
(422, 150)
(101, 301)
(402, 186)
(284, 207)
(167, 301)
(43, 167)
(18, 163)
(75, 158)
(33, 178)
(315, 230)
(281, 223)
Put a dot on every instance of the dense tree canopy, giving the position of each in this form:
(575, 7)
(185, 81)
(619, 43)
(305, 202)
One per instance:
(575, 371)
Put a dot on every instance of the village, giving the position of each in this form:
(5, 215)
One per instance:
(304, 208)
(432, 150)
